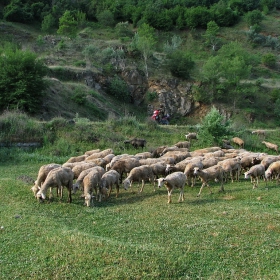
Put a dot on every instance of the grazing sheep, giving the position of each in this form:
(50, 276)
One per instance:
(115, 159)
(208, 162)
(273, 170)
(181, 165)
(177, 155)
(271, 146)
(76, 159)
(259, 132)
(173, 148)
(231, 166)
(143, 155)
(42, 175)
(91, 182)
(248, 161)
(255, 172)
(183, 144)
(191, 135)
(267, 160)
(108, 158)
(98, 161)
(238, 141)
(58, 177)
(149, 161)
(79, 182)
(159, 168)
(108, 179)
(139, 174)
(77, 169)
(136, 143)
(101, 154)
(211, 173)
(189, 171)
(125, 165)
(173, 181)
(158, 151)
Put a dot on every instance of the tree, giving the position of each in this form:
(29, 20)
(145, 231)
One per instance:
(21, 80)
(211, 34)
(145, 42)
(67, 24)
(254, 17)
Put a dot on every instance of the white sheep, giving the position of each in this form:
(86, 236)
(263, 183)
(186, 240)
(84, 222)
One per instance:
(259, 132)
(191, 135)
(255, 173)
(42, 175)
(139, 174)
(159, 169)
(189, 171)
(267, 160)
(173, 181)
(76, 159)
(78, 185)
(271, 146)
(183, 144)
(211, 173)
(58, 177)
(89, 153)
(143, 155)
(177, 155)
(101, 154)
(108, 180)
(77, 169)
(91, 183)
(273, 170)
(231, 166)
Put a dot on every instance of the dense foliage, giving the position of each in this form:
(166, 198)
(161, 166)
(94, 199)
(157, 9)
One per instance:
(21, 80)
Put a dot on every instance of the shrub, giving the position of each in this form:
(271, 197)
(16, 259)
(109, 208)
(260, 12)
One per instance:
(254, 17)
(106, 18)
(79, 97)
(119, 89)
(269, 59)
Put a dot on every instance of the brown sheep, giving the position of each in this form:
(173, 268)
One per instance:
(259, 132)
(136, 142)
(271, 146)
(238, 141)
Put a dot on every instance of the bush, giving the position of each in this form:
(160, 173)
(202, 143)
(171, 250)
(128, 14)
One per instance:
(119, 89)
(269, 59)
(254, 17)
(106, 18)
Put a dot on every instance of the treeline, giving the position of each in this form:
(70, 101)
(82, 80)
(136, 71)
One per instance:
(161, 14)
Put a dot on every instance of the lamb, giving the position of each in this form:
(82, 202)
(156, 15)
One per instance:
(91, 182)
(191, 135)
(125, 165)
(271, 146)
(77, 169)
(58, 177)
(42, 175)
(76, 159)
(101, 154)
(172, 181)
(211, 173)
(273, 170)
(259, 132)
(139, 174)
(79, 182)
(136, 142)
(238, 141)
(109, 179)
(255, 172)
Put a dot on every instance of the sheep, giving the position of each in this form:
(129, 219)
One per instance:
(158, 151)
(159, 168)
(77, 169)
(108, 158)
(76, 159)
(172, 181)
(271, 146)
(259, 132)
(177, 155)
(238, 141)
(115, 159)
(181, 165)
(79, 182)
(89, 153)
(136, 142)
(109, 179)
(211, 173)
(273, 170)
(58, 177)
(190, 169)
(267, 160)
(207, 162)
(143, 155)
(140, 174)
(42, 175)
(183, 144)
(101, 154)
(72, 164)
(173, 148)
(255, 172)
(191, 135)
(248, 161)
(149, 161)
(91, 181)
(231, 166)
(125, 165)
(98, 161)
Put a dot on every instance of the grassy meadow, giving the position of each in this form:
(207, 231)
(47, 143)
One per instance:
(230, 235)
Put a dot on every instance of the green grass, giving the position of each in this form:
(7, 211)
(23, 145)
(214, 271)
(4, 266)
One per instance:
(231, 235)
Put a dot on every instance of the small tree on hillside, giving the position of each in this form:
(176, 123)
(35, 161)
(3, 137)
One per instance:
(67, 25)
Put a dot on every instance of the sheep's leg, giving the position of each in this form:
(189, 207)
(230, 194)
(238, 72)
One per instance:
(181, 196)
(142, 187)
(69, 195)
(169, 195)
(201, 188)
(117, 190)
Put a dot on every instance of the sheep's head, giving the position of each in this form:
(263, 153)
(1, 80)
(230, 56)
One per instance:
(35, 189)
(196, 170)
(88, 198)
(161, 182)
(75, 188)
(126, 184)
(246, 175)
(268, 173)
(40, 195)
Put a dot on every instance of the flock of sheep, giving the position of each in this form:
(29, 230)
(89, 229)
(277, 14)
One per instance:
(97, 172)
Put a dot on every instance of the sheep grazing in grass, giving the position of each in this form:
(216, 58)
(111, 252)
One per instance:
(159, 169)
(58, 177)
(78, 185)
(271, 146)
(183, 144)
(175, 180)
(238, 141)
(267, 160)
(42, 175)
(255, 173)
(191, 135)
(76, 159)
(136, 142)
(139, 174)
(231, 166)
(259, 132)
(211, 173)
(91, 183)
(108, 180)
(101, 154)
(77, 169)
(273, 170)
(191, 177)
(158, 151)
